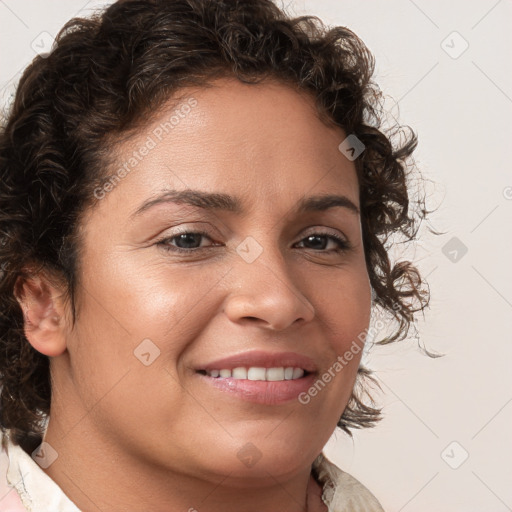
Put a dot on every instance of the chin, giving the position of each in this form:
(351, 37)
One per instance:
(266, 456)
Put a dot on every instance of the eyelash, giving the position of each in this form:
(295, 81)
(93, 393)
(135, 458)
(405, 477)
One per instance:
(343, 245)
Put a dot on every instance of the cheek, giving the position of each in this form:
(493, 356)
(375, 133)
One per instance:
(342, 302)
(151, 299)
(172, 306)
(128, 319)
(343, 306)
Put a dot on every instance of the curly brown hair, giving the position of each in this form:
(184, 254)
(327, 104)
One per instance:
(104, 77)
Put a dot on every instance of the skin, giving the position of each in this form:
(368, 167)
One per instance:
(157, 435)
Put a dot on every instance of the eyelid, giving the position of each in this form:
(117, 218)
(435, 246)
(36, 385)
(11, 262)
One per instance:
(344, 244)
(325, 230)
(310, 229)
(196, 231)
(340, 239)
(191, 228)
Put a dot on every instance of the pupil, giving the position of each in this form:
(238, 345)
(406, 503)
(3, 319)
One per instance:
(315, 237)
(188, 238)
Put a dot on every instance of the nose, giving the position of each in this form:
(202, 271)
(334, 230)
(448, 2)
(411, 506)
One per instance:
(266, 293)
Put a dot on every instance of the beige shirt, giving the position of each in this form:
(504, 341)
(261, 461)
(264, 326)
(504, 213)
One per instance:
(24, 486)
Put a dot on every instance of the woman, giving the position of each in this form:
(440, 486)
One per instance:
(195, 206)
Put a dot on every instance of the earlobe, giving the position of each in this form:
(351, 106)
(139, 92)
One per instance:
(43, 313)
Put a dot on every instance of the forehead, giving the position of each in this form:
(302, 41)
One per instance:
(259, 142)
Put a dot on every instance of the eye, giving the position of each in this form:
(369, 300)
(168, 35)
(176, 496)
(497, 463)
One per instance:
(319, 241)
(188, 241)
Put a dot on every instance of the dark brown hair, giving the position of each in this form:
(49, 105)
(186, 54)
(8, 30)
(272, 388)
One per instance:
(104, 77)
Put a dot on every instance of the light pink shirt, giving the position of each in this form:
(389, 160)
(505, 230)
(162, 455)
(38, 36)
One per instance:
(24, 486)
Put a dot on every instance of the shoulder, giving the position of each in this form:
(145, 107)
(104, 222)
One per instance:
(342, 492)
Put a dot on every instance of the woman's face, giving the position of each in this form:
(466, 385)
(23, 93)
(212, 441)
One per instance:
(258, 280)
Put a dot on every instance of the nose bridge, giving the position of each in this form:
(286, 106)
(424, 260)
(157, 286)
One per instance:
(261, 255)
(264, 288)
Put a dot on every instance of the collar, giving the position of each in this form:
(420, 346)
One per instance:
(341, 491)
(37, 492)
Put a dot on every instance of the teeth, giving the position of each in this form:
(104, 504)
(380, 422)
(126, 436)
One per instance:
(239, 373)
(275, 374)
(255, 373)
(288, 373)
(258, 373)
(297, 373)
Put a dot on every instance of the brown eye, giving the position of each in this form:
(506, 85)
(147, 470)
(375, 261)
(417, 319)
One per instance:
(319, 242)
(188, 241)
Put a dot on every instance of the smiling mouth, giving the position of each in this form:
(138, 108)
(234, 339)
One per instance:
(256, 373)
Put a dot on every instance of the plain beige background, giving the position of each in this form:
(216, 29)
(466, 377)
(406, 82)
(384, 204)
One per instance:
(442, 445)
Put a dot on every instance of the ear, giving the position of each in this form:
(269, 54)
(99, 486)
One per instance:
(44, 313)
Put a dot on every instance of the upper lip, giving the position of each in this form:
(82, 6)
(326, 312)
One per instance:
(261, 359)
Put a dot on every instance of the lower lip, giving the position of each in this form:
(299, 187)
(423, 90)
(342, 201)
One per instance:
(262, 391)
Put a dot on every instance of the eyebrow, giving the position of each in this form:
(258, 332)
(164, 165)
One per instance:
(225, 202)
